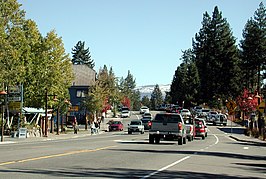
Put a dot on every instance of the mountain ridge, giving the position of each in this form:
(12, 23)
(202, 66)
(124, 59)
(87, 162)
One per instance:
(146, 90)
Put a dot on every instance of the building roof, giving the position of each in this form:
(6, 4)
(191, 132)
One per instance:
(83, 75)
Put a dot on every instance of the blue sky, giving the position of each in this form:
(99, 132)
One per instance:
(144, 36)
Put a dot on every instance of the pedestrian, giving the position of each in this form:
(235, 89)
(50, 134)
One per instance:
(75, 125)
(92, 128)
(96, 127)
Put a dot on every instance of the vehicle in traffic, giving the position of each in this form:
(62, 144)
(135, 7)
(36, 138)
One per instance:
(147, 114)
(211, 116)
(201, 129)
(190, 127)
(185, 112)
(125, 112)
(220, 119)
(135, 126)
(146, 121)
(144, 109)
(167, 126)
(116, 126)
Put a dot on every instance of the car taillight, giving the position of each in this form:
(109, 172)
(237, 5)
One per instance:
(202, 130)
(179, 126)
(191, 128)
(149, 123)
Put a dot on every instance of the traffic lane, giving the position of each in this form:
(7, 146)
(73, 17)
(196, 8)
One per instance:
(22, 151)
(131, 156)
(227, 159)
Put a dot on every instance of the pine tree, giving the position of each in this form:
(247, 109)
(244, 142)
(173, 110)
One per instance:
(156, 97)
(253, 49)
(217, 59)
(185, 84)
(145, 101)
(82, 55)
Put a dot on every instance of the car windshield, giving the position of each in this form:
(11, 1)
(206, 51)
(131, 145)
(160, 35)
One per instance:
(167, 118)
(116, 122)
(135, 123)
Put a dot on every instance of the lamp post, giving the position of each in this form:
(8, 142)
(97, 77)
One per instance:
(46, 113)
(3, 93)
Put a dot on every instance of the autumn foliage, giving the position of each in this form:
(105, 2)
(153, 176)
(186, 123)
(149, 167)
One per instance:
(247, 102)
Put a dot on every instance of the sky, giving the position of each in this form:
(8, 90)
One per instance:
(145, 37)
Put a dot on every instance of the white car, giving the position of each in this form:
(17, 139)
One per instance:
(136, 126)
(144, 109)
(185, 112)
(125, 113)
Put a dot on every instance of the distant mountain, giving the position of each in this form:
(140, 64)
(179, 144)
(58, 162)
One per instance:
(148, 89)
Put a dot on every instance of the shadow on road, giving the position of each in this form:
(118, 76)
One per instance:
(232, 130)
(215, 154)
(116, 173)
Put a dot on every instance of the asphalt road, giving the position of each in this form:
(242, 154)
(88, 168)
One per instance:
(119, 155)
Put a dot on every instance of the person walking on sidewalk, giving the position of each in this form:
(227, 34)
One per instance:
(75, 126)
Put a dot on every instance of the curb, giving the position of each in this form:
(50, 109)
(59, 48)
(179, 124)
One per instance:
(248, 141)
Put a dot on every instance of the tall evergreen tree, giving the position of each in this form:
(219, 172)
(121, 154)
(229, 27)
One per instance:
(185, 84)
(127, 87)
(145, 101)
(156, 97)
(253, 49)
(82, 55)
(217, 58)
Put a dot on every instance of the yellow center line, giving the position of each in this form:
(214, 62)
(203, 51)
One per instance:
(55, 155)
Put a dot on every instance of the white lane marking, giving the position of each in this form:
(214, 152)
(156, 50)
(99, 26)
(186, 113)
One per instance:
(246, 148)
(217, 139)
(166, 167)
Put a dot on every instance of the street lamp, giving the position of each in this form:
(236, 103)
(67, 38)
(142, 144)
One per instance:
(3, 93)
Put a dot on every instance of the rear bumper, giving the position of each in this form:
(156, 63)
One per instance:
(174, 135)
(199, 134)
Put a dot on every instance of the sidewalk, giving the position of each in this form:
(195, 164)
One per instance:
(236, 132)
(53, 136)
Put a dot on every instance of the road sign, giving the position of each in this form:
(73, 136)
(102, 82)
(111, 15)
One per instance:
(261, 107)
(231, 105)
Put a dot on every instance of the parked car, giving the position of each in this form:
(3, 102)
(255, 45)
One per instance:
(167, 126)
(144, 109)
(116, 126)
(146, 121)
(136, 126)
(201, 129)
(70, 120)
(190, 127)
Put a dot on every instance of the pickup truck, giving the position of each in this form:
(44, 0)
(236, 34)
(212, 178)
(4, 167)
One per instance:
(167, 126)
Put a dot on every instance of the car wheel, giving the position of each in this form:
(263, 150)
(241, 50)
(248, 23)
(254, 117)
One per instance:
(203, 137)
(129, 132)
(206, 134)
(151, 139)
(184, 140)
(180, 141)
(157, 140)
(190, 139)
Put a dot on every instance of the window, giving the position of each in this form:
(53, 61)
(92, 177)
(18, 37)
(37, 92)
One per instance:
(80, 93)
